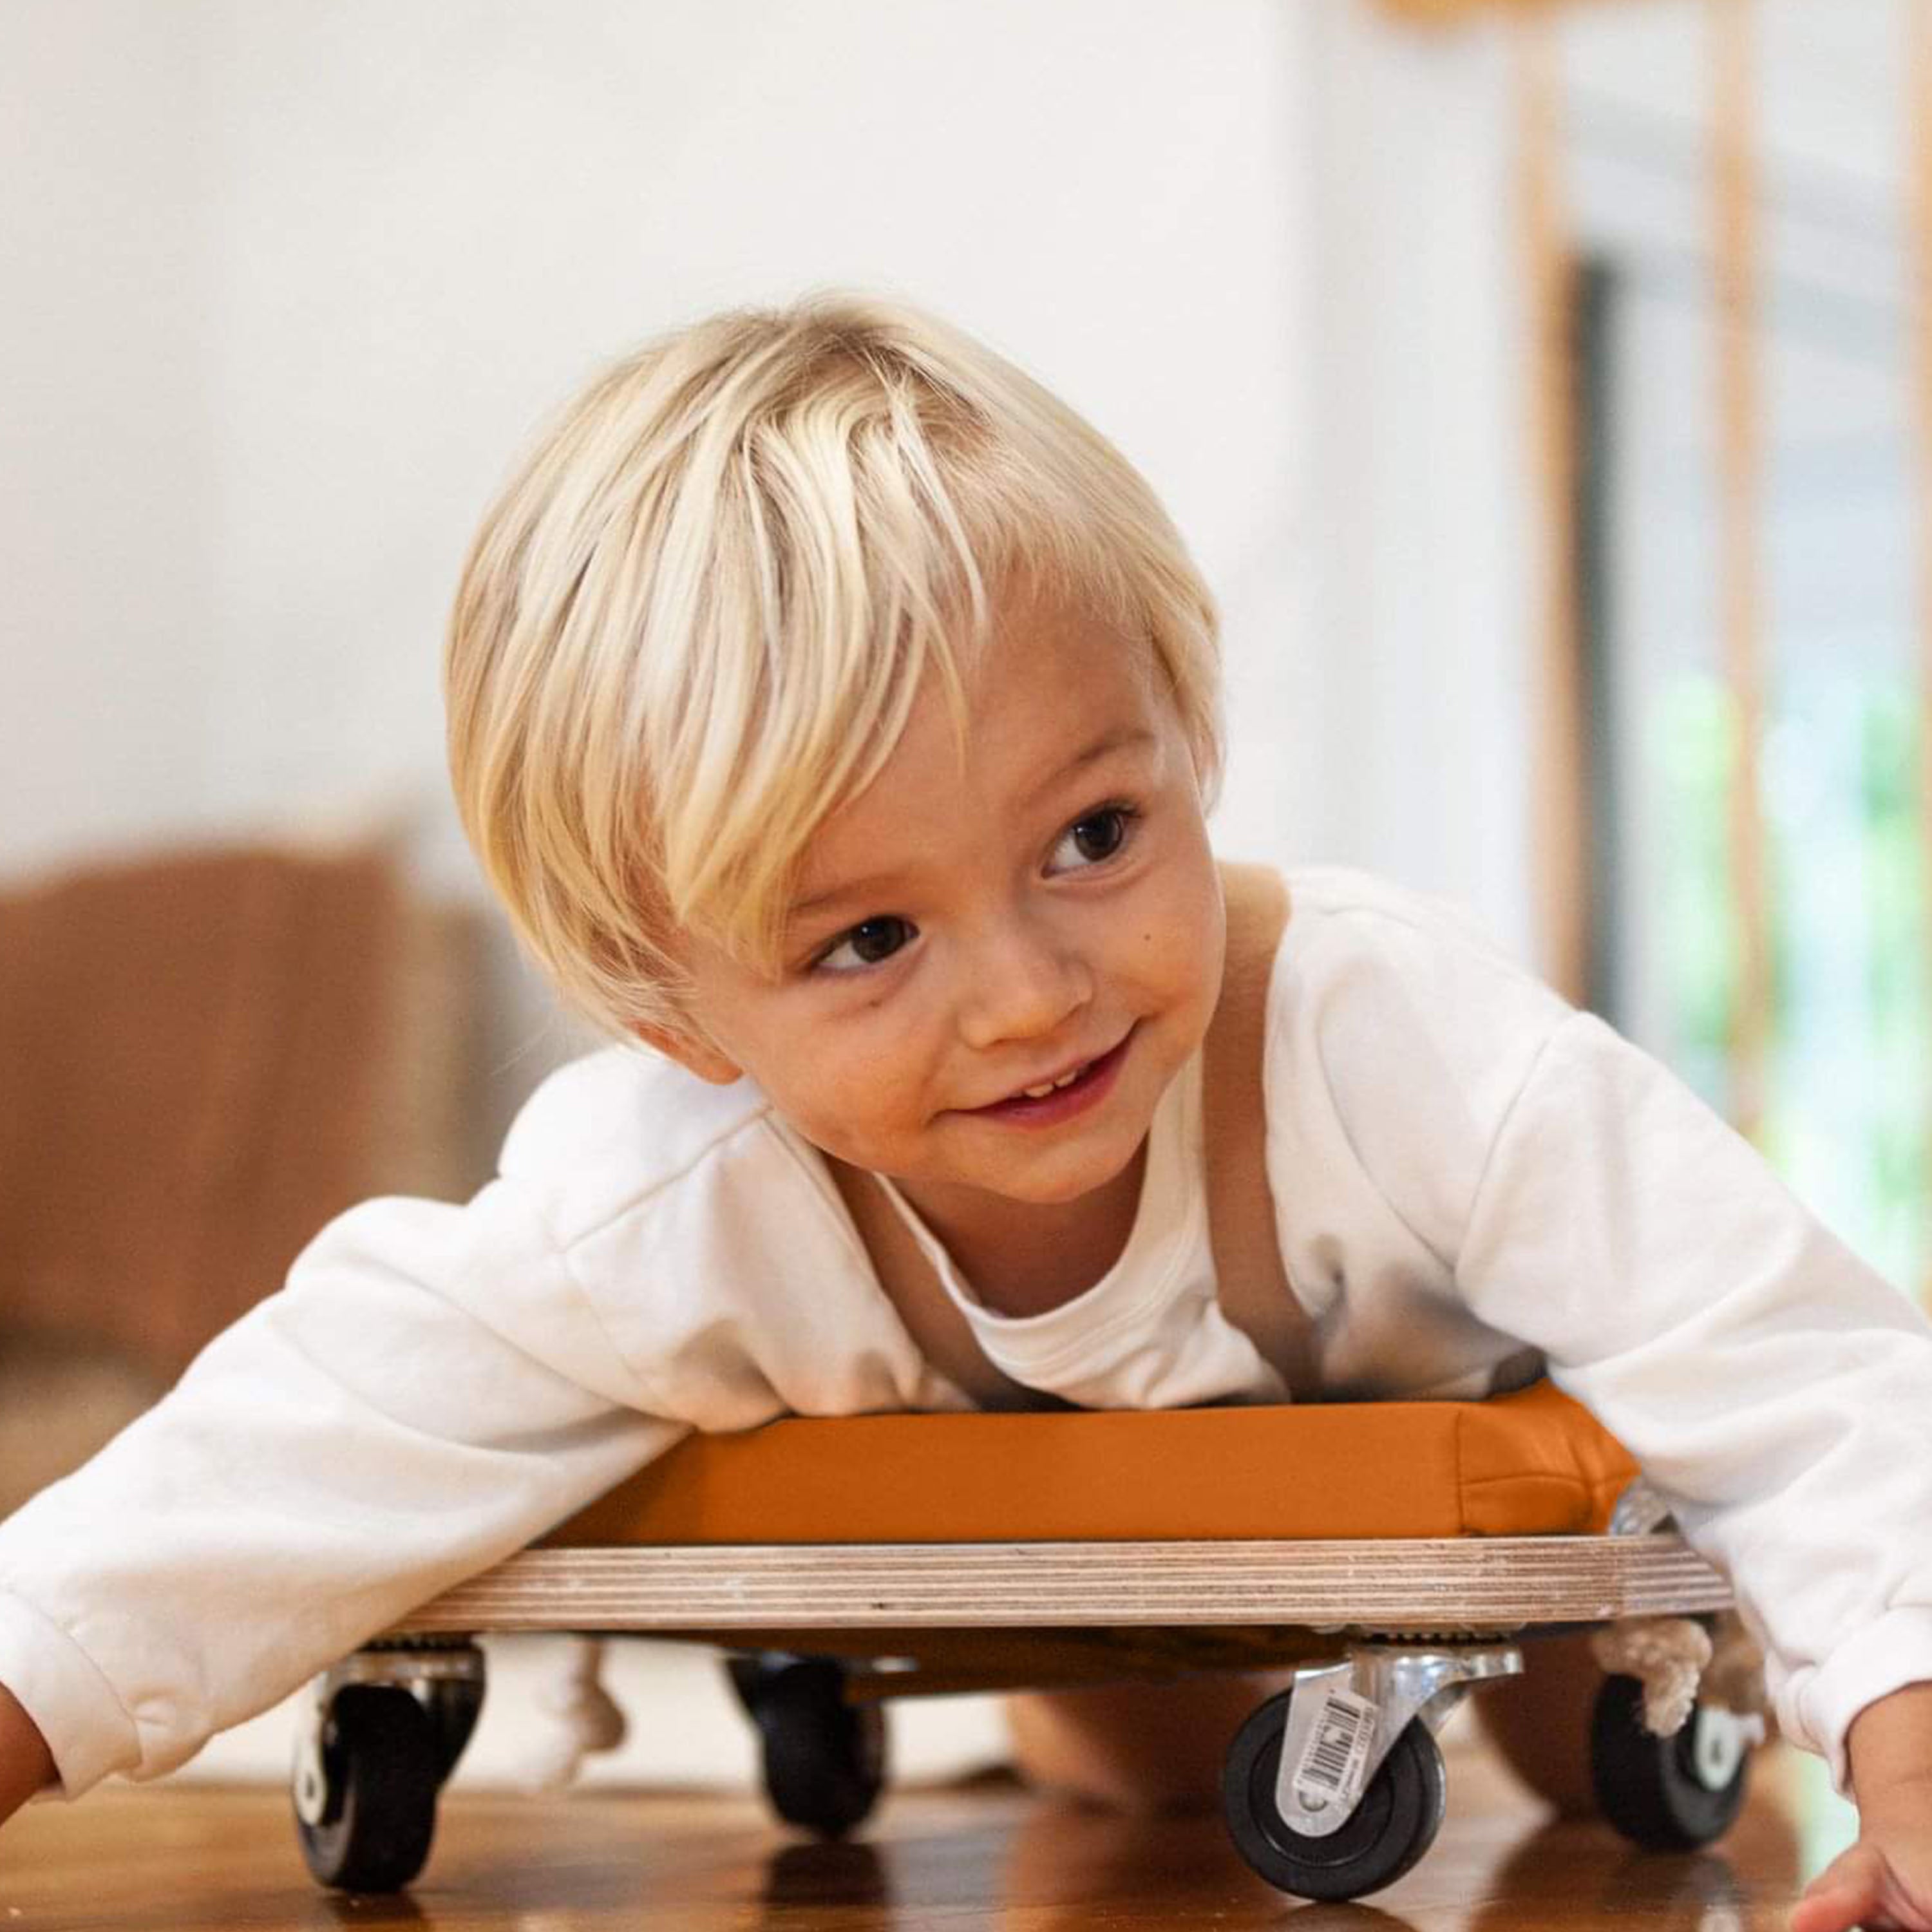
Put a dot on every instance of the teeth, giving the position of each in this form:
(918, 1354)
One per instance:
(1052, 1086)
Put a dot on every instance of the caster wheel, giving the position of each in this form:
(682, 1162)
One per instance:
(824, 1758)
(380, 1753)
(1668, 1794)
(454, 1704)
(1396, 1822)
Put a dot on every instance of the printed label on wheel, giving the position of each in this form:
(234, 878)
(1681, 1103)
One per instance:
(1334, 1762)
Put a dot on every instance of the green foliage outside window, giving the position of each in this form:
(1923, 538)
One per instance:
(1846, 1121)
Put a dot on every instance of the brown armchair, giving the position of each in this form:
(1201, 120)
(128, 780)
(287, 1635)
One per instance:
(204, 1055)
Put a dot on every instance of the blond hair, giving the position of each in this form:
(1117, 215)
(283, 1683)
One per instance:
(695, 623)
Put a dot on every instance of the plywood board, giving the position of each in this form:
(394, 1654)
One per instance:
(1463, 1583)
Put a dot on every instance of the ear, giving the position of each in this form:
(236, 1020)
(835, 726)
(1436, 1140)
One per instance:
(694, 1055)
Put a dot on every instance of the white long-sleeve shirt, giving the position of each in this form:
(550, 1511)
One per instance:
(1460, 1164)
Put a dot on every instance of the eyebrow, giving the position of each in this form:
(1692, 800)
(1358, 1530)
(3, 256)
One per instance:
(1119, 739)
(873, 884)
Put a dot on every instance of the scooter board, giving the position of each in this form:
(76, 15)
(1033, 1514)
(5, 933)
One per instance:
(1392, 1553)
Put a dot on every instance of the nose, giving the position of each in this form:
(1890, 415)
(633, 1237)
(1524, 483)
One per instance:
(1022, 979)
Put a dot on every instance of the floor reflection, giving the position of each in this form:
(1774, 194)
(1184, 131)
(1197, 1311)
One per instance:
(1581, 1874)
(1351, 1918)
(987, 1858)
(366, 1913)
(1051, 1867)
(1062, 1856)
(825, 1877)
(1057, 1863)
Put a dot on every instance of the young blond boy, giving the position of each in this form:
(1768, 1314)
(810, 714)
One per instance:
(835, 714)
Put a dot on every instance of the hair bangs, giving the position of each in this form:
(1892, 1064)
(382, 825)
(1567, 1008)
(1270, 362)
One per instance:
(697, 624)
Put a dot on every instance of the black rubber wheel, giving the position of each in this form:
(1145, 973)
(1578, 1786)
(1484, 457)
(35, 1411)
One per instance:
(455, 1705)
(1396, 1822)
(824, 1758)
(1667, 1794)
(379, 1751)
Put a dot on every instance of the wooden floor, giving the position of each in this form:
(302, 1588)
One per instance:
(192, 1859)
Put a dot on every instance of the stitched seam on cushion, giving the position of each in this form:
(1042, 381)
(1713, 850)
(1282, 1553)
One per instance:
(1567, 1485)
(1462, 1488)
(1527, 1476)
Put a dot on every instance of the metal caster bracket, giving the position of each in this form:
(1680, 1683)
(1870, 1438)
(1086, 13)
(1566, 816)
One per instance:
(1344, 1718)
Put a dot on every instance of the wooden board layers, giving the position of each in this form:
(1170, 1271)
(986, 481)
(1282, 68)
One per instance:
(1462, 1583)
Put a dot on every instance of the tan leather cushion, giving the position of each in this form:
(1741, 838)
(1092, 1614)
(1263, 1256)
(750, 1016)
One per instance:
(1533, 1462)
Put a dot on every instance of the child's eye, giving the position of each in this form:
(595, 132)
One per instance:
(866, 944)
(1088, 841)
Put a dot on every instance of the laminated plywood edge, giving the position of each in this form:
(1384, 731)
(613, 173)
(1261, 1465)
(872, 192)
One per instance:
(1472, 1583)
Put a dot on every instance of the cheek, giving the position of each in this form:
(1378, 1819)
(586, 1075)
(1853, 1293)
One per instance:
(1183, 969)
(858, 1087)
(1178, 947)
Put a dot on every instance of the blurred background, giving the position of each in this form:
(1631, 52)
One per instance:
(1541, 387)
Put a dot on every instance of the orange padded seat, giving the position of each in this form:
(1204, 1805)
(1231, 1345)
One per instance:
(1530, 1463)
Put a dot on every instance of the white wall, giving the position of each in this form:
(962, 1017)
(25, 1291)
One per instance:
(107, 456)
(1414, 662)
(285, 286)
(300, 279)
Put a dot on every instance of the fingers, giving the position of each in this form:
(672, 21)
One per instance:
(1850, 1892)
(1835, 1911)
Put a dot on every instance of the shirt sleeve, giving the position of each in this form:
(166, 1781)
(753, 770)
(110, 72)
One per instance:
(1775, 1388)
(430, 1391)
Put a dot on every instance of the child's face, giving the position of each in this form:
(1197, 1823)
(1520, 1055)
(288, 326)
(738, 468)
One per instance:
(960, 935)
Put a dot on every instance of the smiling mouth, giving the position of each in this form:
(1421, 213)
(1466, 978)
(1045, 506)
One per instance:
(1070, 1090)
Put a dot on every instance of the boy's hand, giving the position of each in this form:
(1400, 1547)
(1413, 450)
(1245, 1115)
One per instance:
(1872, 1887)
(1884, 1883)
(25, 1762)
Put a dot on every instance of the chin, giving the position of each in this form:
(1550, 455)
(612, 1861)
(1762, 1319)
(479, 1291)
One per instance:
(1048, 1190)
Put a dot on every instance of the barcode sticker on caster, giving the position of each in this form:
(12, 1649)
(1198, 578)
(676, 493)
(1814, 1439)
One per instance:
(1336, 1756)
